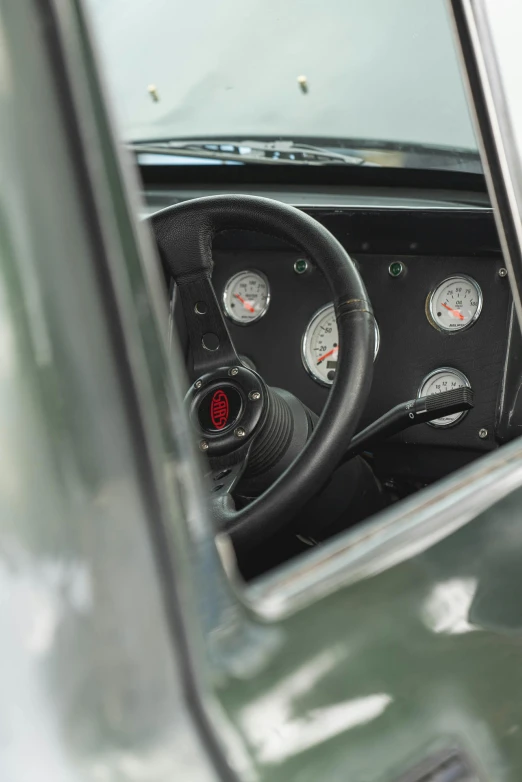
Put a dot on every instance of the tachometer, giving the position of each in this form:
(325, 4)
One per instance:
(444, 379)
(246, 297)
(320, 346)
(455, 304)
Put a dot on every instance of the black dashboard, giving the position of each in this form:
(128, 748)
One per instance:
(432, 241)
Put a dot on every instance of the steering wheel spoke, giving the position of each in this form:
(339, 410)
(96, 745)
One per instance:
(210, 342)
(225, 472)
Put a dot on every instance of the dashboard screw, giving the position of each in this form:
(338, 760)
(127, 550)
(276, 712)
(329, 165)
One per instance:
(198, 384)
(502, 272)
(203, 445)
(239, 432)
(483, 433)
(254, 396)
(233, 371)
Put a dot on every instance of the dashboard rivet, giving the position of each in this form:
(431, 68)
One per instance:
(198, 384)
(203, 445)
(502, 272)
(254, 396)
(239, 432)
(483, 433)
(234, 371)
(395, 269)
(301, 266)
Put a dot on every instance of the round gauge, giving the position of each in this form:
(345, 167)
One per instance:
(444, 379)
(246, 297)
(320, 345)
(455, 304)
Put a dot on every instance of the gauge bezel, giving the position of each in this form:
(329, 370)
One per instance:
(430, 311)
(226, 308)
(306, 338)
(438, 371)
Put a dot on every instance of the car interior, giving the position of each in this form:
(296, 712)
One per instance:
(441, 321)
(345, 318)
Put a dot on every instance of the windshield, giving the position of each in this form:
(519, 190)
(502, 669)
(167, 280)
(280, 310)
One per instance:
(378, 74)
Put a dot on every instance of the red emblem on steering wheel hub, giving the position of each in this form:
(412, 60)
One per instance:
(219, 409)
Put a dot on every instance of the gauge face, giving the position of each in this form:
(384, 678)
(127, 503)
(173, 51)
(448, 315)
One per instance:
(444, 379)
(320, 345)
(246, 297)
(455, 304)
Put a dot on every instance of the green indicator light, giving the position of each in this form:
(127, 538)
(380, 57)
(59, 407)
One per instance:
(396, 269)
(300, 266)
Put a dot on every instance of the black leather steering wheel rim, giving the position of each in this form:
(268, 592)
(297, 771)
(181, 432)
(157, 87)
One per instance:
(184, 235)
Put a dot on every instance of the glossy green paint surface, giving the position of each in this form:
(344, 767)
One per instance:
(426, 656)
(100, 529)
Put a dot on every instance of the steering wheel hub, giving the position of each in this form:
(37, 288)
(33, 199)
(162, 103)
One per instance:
(227, 407)
(220, 408)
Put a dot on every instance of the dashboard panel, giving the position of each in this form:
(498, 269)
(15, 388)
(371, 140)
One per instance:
(434, 238)
(410, 346)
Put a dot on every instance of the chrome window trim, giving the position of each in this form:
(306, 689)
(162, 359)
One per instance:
(147, 211)
(494, 125)
(390, 537)
(398, 207)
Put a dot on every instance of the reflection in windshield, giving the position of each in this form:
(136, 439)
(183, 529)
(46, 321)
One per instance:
(377, 70)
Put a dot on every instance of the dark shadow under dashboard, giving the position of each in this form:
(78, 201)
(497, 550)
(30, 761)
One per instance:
(431, 244)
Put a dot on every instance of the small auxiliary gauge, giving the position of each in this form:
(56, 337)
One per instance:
(455, 304)
(320, 346)
(444, 379)
(246, 297)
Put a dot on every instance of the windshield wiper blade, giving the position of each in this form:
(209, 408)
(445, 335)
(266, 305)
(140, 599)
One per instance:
(266, 152)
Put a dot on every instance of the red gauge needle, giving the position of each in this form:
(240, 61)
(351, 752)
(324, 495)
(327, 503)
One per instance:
(330, 352)
(454, 312)
(245, 304)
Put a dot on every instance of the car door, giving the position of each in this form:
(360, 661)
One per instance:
(130, 647)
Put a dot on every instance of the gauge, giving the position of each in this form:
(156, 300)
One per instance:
(455, 304)
(246, 297)
(444, 379)
(320, 345)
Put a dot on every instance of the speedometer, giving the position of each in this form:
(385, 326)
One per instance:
(320, 346)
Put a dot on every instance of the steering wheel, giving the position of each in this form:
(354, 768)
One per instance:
(240, 423)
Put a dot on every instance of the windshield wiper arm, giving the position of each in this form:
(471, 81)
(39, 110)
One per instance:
(266, 152)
